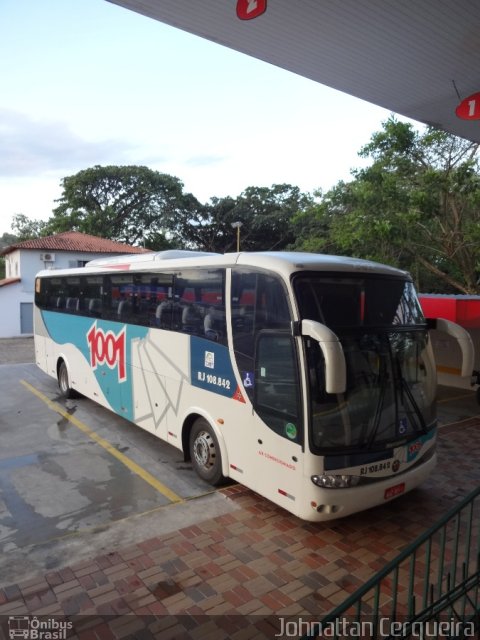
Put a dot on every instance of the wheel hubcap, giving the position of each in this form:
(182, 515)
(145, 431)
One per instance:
(64, 380)
(204, 450)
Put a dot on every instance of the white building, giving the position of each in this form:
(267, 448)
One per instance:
(25, 259)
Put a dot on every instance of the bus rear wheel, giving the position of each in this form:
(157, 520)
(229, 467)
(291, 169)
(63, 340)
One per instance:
(205, 453)
(64, 381)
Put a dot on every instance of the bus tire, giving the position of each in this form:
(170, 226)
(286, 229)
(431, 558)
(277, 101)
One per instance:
(64, 381)
(205, 453)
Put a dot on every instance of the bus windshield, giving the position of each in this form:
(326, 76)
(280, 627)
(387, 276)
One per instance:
(389, 397)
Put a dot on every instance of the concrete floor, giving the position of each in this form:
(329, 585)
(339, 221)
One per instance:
(62, 495)
(16, 350)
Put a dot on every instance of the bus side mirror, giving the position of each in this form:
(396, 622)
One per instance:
(335, 367)
(462, 337)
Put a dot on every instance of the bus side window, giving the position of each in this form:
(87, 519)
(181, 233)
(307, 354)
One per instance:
(118, 297)
(123, 309)
(147, 293)
(161, 302)
(91, 295)
(72, 305)
(73, 294)
(259, 302)
(243, 302)
(276, 397)
(95, 307)
(199, 307)
(163, 314)
(46, 292)
(139, 295)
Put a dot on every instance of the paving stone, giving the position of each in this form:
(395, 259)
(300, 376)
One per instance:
(255, 561)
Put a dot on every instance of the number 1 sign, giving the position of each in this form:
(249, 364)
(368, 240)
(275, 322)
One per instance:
(469, 108)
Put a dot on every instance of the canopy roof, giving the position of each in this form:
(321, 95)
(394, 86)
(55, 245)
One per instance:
(415, 58)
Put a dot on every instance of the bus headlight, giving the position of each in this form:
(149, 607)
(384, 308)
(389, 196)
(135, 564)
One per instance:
(326, 481)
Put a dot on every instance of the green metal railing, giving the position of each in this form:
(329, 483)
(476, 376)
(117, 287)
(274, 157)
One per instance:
(430, 590)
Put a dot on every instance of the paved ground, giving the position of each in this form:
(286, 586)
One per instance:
(16, 350)
(238, 574)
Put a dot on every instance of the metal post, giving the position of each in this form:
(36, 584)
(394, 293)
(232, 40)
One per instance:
(237, 225)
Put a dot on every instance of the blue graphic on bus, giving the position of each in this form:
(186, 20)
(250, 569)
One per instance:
(211, 368)
(107, 347)
(414, 447)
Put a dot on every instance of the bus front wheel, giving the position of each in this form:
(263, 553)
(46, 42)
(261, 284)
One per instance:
(64, 381)
(205, 453)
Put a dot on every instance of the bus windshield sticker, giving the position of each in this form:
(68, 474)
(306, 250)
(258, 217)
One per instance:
(210, 359)
(402, 426)
(290, 431)
(248, 379)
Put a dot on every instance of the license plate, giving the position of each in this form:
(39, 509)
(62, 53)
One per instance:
(392, 492)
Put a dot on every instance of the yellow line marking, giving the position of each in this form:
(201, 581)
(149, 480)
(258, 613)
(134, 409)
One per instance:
(130, 464)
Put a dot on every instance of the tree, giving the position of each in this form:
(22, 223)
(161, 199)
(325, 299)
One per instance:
(266, 215)
(130, 204)
(264, 212)
(417, 206)
(26, 228)
(6, 239)
(210, 229)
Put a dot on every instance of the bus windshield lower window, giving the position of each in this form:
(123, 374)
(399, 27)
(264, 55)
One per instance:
(391, 377)
(389, 395)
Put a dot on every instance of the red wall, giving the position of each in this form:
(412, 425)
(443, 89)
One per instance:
(464, 310)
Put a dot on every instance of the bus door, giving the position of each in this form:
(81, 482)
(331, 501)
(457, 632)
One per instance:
(270, 429)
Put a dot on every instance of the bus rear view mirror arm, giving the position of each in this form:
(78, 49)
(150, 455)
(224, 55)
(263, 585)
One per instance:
(335, 367)
(462, 337)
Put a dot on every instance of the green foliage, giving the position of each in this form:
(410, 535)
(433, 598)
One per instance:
(130, 204)
(6, 239)
(264, 213)
(137, 205)
(416, 207)
(26, 228)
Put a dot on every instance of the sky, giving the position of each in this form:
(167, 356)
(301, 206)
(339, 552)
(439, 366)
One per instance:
(86, 82)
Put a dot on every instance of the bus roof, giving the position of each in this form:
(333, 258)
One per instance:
(288, 262)
(282, 262)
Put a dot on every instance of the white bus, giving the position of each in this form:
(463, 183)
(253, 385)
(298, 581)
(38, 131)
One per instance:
(308, 378)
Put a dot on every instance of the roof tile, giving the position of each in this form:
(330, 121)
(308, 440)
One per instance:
(74, 241)
(6, 281)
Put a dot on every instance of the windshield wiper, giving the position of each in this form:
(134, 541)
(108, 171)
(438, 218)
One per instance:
(409, 394)
(381, 400)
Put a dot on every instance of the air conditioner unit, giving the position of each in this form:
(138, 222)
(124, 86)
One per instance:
(47, 257)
